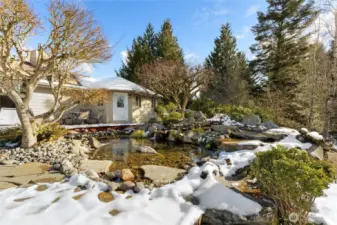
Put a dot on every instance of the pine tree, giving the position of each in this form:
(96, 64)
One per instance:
(143, 51)
(168, 47)
(230, 70)
(281, 48)
(149, 47)
(282, 42)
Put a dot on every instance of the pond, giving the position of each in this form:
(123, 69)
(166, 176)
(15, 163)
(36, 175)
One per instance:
(122, 153)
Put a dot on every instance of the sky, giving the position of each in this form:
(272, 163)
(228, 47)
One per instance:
(196, 23)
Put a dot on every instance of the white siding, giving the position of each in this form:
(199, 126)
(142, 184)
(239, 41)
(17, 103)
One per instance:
(42, 101)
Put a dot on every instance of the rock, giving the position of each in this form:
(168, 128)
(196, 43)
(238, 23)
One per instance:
(145, 149)
(94, 143)
(99, 166)
(127, 175)
(173, 135)
(251, 120)
(76, 145)
(224, 129)
(33, 178)
(105, 197)
(126, 185)
(332, 158)
(316, 152)
(198, 115)
(265, 137)
(237, 146)
(161, 174)
(113, 186)
(111, 176)
(304, 131)
(267, 216)
(91, 174)
(67, 168)
(6, 185)
(23, 170)
(9, 162)
(269, 125)
(56, 166)
(204, 174)
(187, 137)
(192, 199)
(140, 186)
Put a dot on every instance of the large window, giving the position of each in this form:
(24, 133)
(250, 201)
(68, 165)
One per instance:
(120, 101)
(138, 101)
(6, 102)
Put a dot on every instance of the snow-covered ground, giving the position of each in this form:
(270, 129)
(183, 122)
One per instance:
(164, 206)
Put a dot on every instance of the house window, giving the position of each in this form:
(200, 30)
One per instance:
(6, 102)
(138, 101)
(120, 101)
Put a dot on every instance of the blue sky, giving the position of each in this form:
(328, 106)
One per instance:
(196, 23)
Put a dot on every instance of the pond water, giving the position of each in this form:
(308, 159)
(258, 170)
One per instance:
(122, 153)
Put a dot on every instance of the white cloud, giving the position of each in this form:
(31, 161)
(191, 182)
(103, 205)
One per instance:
(245, 31)
(252, 10)
(192, 58)
(240, 36)
(85, 68)
(124, 56)
(205, 14)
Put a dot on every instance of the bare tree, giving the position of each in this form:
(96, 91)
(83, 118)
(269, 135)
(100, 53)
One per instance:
(73, 39)
(173, 80)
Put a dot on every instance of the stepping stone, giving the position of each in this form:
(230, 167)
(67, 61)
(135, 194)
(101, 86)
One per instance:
(34, 178)
(23, 170)
(6, 185)
(114, 212)
(42, 187)
(105, 197)
(99, 166)
(161, 174)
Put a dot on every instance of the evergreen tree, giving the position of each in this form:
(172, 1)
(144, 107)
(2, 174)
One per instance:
(143, 51)
(230, 70)
(149, 47)
(282, 42)
(168, 47)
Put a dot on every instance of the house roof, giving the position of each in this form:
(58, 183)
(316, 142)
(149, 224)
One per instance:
(116, 84)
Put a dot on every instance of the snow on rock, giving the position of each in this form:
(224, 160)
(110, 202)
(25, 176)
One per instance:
(225, 119)
(283, 130)
(316, 136)
(291, 142)
(325, 207)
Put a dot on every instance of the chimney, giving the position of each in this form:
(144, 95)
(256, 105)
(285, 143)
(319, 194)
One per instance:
(33, 56)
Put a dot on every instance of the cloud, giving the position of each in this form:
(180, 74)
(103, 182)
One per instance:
(205, 14)
(245, 31)
(252, 10)
(124, 56)
(84, 68)
(192, 58)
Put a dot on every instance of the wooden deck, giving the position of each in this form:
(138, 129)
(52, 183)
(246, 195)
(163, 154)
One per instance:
(102, 126)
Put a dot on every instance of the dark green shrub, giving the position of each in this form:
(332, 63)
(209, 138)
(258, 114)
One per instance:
(138, 134)
(292, 179)
(189, 114)
(50, 132)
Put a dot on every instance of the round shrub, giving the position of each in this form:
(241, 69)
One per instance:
(292, 179)
(161, 110)
(171, 107)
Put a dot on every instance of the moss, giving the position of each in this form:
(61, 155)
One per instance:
(50, 132)
(173, 117)
(138, 134)
(198, 130)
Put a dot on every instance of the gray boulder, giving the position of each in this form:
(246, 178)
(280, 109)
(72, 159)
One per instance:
(145, 149)
(269, 125)
(316, 152)
(251, 120)
(198, 115)
(224, 128)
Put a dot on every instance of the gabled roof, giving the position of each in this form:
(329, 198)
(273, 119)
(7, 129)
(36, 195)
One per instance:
(117, 84)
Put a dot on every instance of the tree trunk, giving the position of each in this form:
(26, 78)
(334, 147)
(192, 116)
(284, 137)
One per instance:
(28, 137)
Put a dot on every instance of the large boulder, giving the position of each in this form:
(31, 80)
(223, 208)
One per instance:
(145, 149)
(266, 137)
(267, 216)
(161, 174)
(251, 120)
(199, 116)
(270, 125)
(316, 152)
(224, 128)
(187, 137)
(99, 166)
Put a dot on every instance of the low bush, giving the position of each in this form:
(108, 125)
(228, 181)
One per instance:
(160, 109)
(189, 114)
(173, 117)
(292, 179)
(50, 132)
(171, 107)
(10, 133)
(138, 134)
(198, 130)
